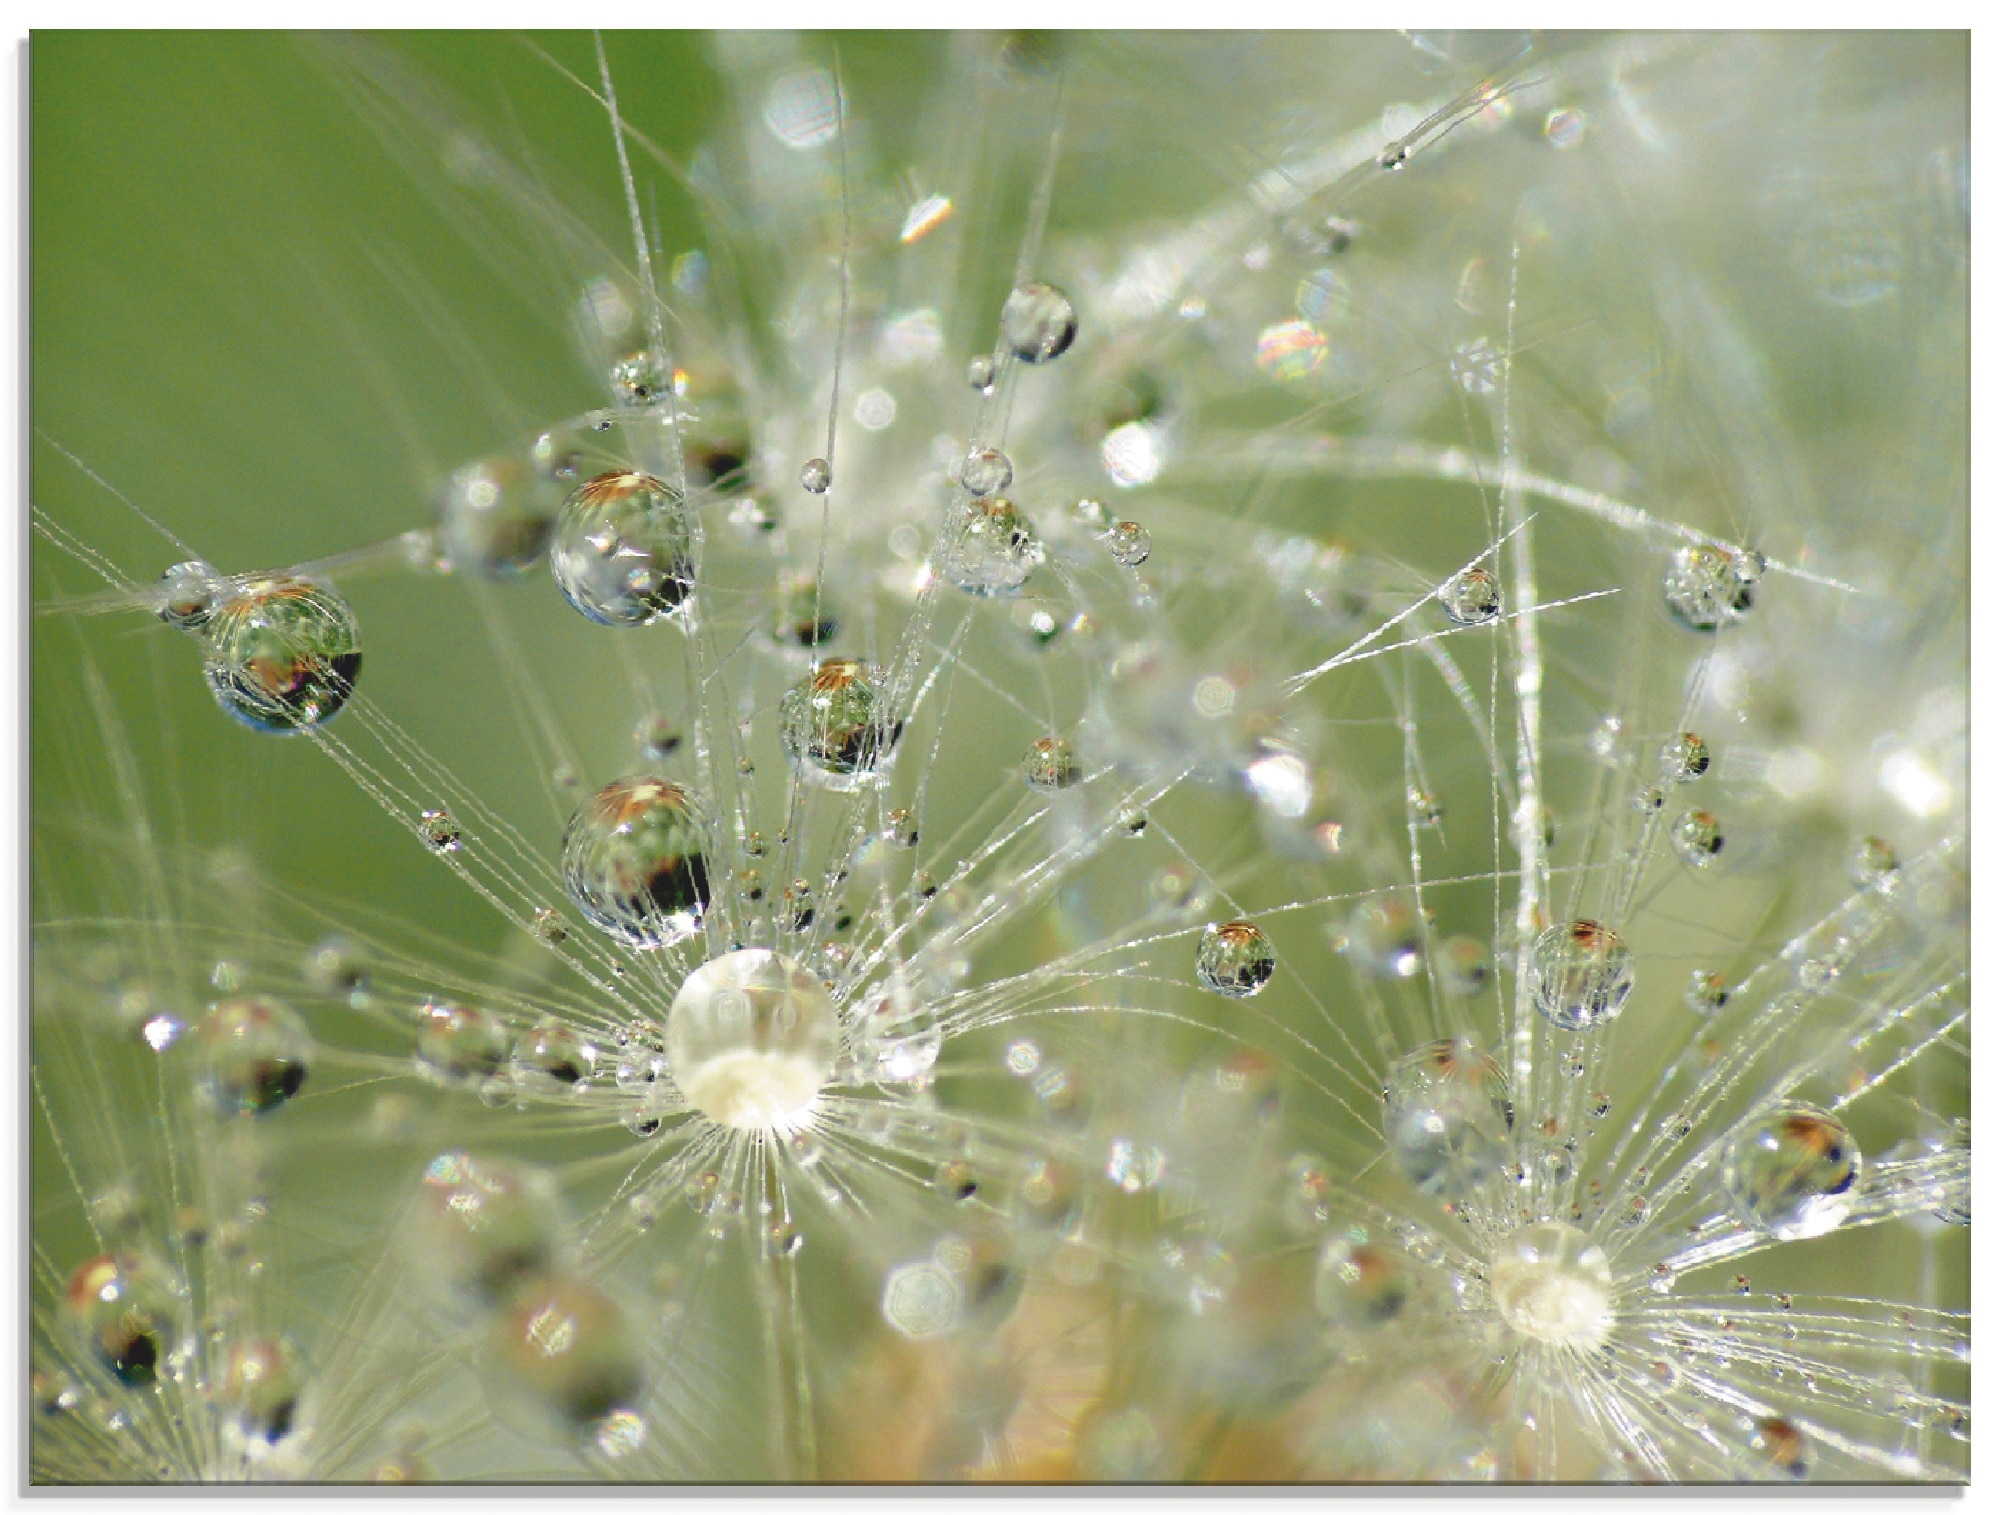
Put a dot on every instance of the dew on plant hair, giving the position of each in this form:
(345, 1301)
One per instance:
(986, 471)
(255, 1054)
(1477, 367)
(549, 926)
(751, 1041)
(282, 654)
(459, 1044)
(1129, 543)
(1779, 1446)
(567, 1346)
(837, 726)
(623, 550)
(1684, 758)
(1426, 809)
(1050, 765)
(1706, 992)
(1038, 324)
(488, 1225)
(1234, 959)
(979, 372)
(1462, 966)
(123, 1309)
(439, 831)
(1470, 598)
(260, 1387)
(1552, 1283)
(1697, 837)
(550, 1058)
(816, 476)
(640, 379)
(1384, 938)
(1359, 1283)
(1581, 974)
(992, 549)
(495, 518)
(1872, 864)
(1792, 1172)
(187, 594)
(633, 861)
(1706, 589)
(1447, 1119)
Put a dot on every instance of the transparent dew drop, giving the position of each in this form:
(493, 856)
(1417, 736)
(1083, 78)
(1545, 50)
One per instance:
(623, 550)
(1426, 809)
(550, 927)
(1092, 515)
(1683, 758)
(188, 593)
(633, 862)
(1359, 1283)
(816, 476)
(658, 738)
(1705, 588)
(922, 1300)
(1706, 992)
(993, 549)
(1461, 966)
(567, 1346)
(1697, 837)
(1037, 625)
(1477, 367)
(255, 1054)
(1038, 323)
(1650, 800)
(1130, 544)
(336, 968)
(494, 518)
(802, 612)
(1471, 598)
(1779, 1446)
(439, 831)
(1234, 960)
(282, 654)
(488, 1225)
(260, 1388)
(1872, 864)
(986, 471)
(1552, 1283)
(837, 727)
(1132, 821)
(1447, 1118)
(1050, 765)
(902, 829)
(979, 372)
(1385, 938)
(1792, 1172)
(1580, 974)
(122, 1308)
(550, 1058)
(639, 379)
(459, 1044)
(751, 1041)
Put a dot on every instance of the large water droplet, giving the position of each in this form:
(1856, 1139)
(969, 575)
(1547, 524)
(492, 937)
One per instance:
(283, 654)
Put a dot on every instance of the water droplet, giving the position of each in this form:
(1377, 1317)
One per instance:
(993, 549)
(1697, 837)
(459, 1044)
(1038, 323)
(801, 613)
(1359, 1283)
(1447, 1118)
(1683, 758)
(1781, 1445)
(123, 1308)
(922, 1300)
(1706, 992)
(255, 1054)
(979, 372)
(1471, 598)
(1426, 809)
(551, 1058)
(623, 551)
(283, 654)
(1291, 350)
(1650, 800)
(260, 1388)
(1565, 128)
(488, 1224)
(1793, 1172)
(751, 1040)
(1477, 367)
(640, 379)
(1461, 966)
(188, 593)
(567, 1346)
(1581, 974)
(439, 831)
(1132, 821)
(1553, 1283)
(1234, 959)
(1385, 938)
(1872, 863)
(1133, 1166)
(986, 471)
(816, 476)
(1130, 543)
(1704, 588)
(836, 725)
(633, 863)
(495, 517)
(1050, 765)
